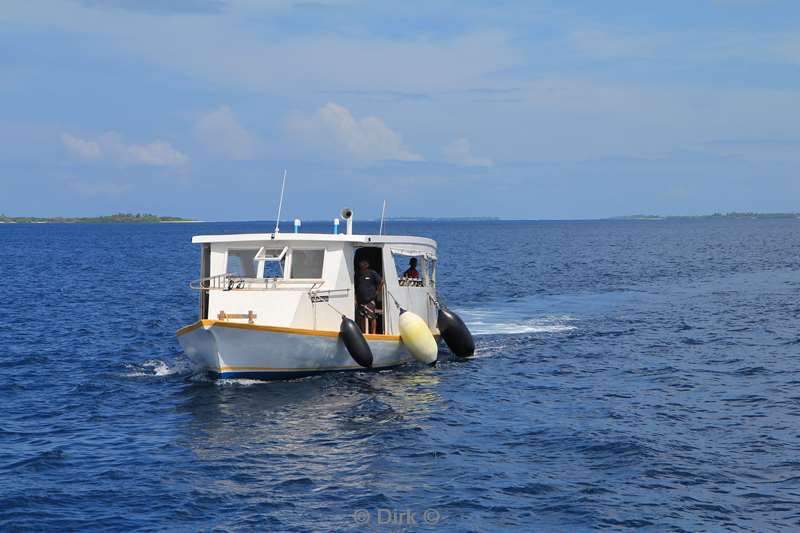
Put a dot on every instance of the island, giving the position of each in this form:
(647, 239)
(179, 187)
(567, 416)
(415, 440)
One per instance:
(732, 215)
(105, 219)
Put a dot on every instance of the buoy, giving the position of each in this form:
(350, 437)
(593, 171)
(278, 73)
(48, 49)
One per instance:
(417, 337)
(355, 343)
(455, 333)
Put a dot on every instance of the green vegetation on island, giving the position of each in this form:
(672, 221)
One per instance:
(106, 219)
(731, 215)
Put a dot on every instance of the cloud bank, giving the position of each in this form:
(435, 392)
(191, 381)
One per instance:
(335, 130)
(112, 147)
(160, 7)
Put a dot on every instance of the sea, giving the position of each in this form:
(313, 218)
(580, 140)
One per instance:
(628, 375)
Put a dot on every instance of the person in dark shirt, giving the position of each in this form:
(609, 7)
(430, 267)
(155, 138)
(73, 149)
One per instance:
(411, 273)
(368, 283)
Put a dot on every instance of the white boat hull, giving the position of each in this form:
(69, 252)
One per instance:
(234, 350)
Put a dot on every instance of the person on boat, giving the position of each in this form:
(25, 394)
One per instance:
(368, 283)
(411, 273)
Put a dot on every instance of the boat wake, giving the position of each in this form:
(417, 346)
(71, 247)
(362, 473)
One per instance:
(493, 323)
(159, 368)
(240, 382)
(516, 318)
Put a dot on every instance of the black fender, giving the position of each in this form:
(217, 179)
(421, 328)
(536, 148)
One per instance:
(455, 333)
(355, 342)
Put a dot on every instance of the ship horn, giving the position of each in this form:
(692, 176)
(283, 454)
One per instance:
(355, 343)
(455, 333)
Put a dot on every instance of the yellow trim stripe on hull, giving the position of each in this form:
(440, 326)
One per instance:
(277, 329)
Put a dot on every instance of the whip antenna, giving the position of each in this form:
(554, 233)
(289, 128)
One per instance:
(280, 204)
(383, 212)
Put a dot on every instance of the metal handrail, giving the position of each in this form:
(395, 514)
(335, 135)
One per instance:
(329, 292)
(231, 282)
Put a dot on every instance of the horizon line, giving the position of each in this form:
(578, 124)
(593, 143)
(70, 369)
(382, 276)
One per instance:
(404, 219)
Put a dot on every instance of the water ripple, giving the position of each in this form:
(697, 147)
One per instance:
(627, 376)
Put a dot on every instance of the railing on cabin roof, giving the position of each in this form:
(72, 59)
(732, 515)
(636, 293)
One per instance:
(232, 282)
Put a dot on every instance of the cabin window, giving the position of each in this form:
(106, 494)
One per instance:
(410, 270)
(273, 260)
(307, 264)
(273, 269)
(413, 267)
(242, 263)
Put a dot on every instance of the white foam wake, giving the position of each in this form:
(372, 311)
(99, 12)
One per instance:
(239, 382)
(509, 322)
(158, 368)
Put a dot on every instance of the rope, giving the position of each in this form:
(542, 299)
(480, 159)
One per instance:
(394, 300)
(326, 302)
(437, 302)
(332, 307)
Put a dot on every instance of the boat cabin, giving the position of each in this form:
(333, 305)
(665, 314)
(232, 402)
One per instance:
(306, 281)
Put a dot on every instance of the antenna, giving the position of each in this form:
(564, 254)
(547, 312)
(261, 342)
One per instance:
(280, 204)
(383, 212)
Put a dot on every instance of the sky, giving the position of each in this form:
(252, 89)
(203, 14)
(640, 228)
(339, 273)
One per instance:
(549, 109)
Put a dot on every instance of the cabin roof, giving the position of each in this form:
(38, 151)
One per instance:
(314, 237)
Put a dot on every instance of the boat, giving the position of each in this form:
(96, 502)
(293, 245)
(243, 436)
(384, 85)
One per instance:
(282, 305)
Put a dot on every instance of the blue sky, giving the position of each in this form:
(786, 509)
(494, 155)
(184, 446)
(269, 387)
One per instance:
(537, 109)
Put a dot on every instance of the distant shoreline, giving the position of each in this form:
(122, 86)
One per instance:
(439, 219)
(731, 215)
(124, 218)
(119, 218)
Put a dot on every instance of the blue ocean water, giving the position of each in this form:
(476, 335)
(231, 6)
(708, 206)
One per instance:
(628, 375)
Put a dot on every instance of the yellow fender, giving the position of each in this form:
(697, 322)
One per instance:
(417, 337)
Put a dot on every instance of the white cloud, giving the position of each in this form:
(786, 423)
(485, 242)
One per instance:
(160, 7)
(111, 146)
(81, 148)
(222, 134)
(231, 48)
(156, 154)
(333, 127)
(459, 152)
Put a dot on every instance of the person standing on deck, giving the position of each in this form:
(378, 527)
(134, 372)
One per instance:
(368, 283)
(411, 273)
